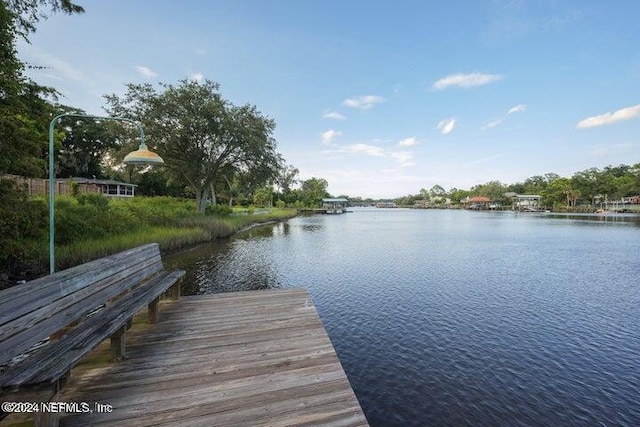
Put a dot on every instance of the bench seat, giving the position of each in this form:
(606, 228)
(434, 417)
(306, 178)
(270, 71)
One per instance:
(57, 358)
(51, 323)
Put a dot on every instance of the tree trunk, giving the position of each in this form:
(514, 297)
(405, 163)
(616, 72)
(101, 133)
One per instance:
(201, 199)
(230, 191)
(213, 195)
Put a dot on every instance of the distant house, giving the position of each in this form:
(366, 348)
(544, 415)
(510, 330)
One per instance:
(106, 187)
(110, 188)
(476, 202)
(386, 205)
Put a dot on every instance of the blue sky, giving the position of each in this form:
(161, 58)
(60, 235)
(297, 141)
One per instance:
(381, 98)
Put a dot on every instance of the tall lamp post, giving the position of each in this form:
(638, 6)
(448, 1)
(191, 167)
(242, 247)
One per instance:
(142, 156)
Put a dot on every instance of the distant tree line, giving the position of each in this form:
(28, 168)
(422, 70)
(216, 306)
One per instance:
(592, 186)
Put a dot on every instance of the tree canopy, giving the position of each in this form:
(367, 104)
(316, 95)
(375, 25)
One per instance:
(27, 13)
(200, 134)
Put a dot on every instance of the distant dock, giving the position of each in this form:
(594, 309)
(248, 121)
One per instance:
(246, 358)
(331, 206)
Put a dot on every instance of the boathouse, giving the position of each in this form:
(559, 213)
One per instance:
(476, 202)
(334, 205)
(526, 202)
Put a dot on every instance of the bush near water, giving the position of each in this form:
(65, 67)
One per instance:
(90, 226)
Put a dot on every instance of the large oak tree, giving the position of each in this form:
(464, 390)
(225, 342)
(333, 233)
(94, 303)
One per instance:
(199, 134)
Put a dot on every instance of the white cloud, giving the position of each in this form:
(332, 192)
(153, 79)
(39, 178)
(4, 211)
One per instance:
(365, 102)
(145, 71)
(369, 150)
(328, 136)
(333, 115)
(492, 124)
(200, 51)
(404, 158)
(446, 126)
(466, 80)
(608, 118)
(517, 109)
(408, 142)
(196, 77)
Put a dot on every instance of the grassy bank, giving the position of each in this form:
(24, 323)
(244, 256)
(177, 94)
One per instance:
(187, 232)
(92, 226)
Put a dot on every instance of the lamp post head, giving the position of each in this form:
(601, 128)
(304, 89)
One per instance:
(142, 156)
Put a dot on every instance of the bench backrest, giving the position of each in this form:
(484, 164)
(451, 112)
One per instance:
(31, 312)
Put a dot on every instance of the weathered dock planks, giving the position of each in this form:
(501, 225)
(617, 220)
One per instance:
(246, 358)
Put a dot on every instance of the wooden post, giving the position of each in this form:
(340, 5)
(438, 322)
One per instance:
(117, 344)
(152, 312)
(51, 419)
(175, 290)
(46, 419)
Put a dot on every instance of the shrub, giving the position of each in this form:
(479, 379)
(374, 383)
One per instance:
(23, 231)
(280, 204)
(218, 210)
(94, 199)
(74, 221)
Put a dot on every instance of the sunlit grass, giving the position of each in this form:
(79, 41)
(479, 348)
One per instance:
(187, 231)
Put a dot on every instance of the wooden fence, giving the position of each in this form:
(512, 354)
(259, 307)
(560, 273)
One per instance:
(38, 186)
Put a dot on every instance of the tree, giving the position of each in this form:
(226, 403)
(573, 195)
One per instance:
(83, 146)
(437, 191)
(27, 13)
(286, 179)
(572, 196)
(424, 194)
(313, 190)
(457, 195)
(555, 194)
(263, 197)
(199, 134)
(586, 182)
(492, 189)
(23, 111)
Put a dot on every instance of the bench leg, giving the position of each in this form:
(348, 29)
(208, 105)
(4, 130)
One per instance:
(153, 311)
(175, 290)
(117, 344)
(48, 419)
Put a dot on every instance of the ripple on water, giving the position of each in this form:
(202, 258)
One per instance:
(461, 318)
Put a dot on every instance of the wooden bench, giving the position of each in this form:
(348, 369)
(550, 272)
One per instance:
(69, 313)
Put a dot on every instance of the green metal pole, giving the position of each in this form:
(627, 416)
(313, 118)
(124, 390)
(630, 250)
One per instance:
(52, 256)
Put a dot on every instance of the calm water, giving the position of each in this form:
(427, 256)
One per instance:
(460, 318)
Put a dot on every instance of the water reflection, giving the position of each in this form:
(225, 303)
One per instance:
(227, 266)
(459, 318)
(631, 219)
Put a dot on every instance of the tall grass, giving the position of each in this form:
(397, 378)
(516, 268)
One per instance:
(179, 230)
(91, 226)
(168, 238)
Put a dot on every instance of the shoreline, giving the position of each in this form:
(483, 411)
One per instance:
(172, 239)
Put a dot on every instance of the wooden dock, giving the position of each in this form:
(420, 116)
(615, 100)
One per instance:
(246, 359)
